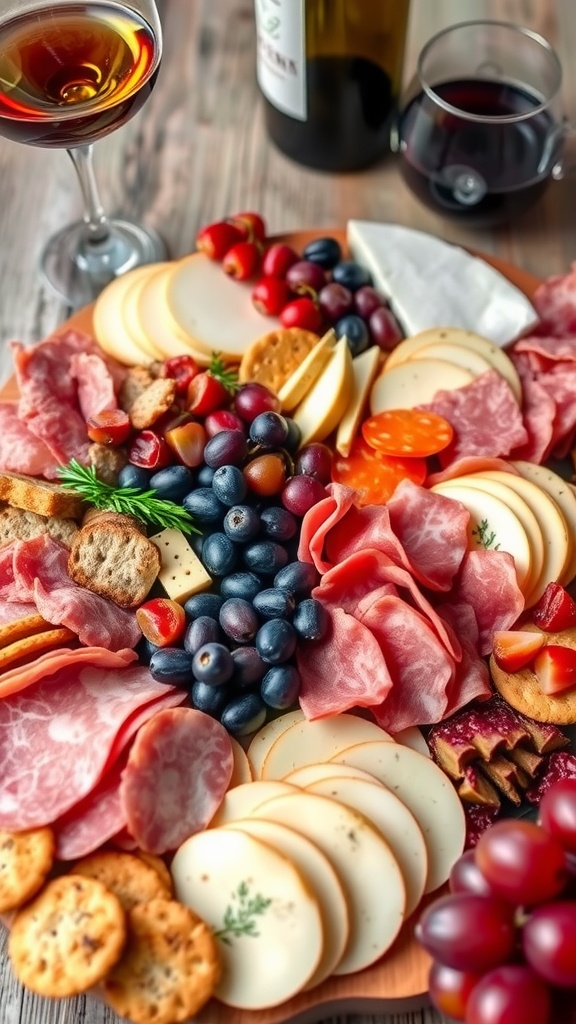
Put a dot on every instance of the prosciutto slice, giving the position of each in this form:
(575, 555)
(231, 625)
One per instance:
(20, 450)
(177, 774)
(45, 666)
(96, 385)
(489, 585)
(555, 303)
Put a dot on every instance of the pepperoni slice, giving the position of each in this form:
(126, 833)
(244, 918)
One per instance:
(407, 432)
(374, 475)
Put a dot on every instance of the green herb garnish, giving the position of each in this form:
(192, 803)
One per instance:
(239, 915)
(486, 537)
(226, 376)
(129, 501)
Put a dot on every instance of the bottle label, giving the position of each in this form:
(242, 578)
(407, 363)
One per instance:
(281, 60)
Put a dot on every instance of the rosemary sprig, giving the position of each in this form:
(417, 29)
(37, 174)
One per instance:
(128, 501)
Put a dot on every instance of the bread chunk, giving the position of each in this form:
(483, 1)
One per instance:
(113, 558)
(40, 496)
(18, 524)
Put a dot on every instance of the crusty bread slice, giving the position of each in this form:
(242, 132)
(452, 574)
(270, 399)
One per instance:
(46, 499)
(18, 524)
(113, 558)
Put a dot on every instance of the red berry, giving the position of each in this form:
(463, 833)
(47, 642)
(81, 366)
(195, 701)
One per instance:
(302, 313)
(182, 369)
(222, 419)
(278, 259)
(510, 994)
(162, 621)
(242, 260)
(270, 296)
(301, 493)
(150, 451)
(251, 225)
(111, 427)
(216, 239)
(558, 813)
(521, 862)
(206, 394)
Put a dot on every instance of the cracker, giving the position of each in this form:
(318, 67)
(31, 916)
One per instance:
(25, 862)
(522, 690)
(30, 645)
(126, 875)
(68, 938)
(170, 967)
(154, 401)
(159, 866)
(272, 359)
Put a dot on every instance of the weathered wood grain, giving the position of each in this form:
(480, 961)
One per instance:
(197, 151)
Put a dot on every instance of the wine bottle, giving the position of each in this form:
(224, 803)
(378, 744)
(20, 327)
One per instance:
(330, 74)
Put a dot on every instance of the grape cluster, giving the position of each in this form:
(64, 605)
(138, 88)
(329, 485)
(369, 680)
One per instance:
(247, 497)
(504, 940)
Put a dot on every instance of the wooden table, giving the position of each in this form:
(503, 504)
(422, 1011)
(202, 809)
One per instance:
(198, 151)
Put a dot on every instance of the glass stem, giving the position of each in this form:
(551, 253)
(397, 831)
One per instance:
(96, 221)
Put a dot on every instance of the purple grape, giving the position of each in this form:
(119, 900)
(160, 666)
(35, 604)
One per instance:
(305, 276)
(238, 620)
(315, 460)
(301, 492)
(227, 447)
(335, 301)
(384, 329)
(366, 300)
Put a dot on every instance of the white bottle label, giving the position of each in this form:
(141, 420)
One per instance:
(281, 58)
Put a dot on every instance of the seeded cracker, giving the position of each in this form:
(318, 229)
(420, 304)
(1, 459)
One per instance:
(68, 938)
(126, 875)
(170, 968)
(272, 359)
(25, 861)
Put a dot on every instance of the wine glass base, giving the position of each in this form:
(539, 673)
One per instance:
(77, 270)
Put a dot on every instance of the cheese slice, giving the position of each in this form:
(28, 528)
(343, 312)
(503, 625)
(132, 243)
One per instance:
(211, 309)
(310, 742)
(218, 874)
(128, 308)
(110, 330)
(240, 801)
(365, 367)
(364, 863)
(241, 770)
(327, 400)
(147, 316)
(309, 773)
(321, 879)
(300, 382)
(181, 573)
(415, 382)
(412, 737)
(492, 353)
(426, 791)
(262, 740)
(563, 496)
(456, 354)
(432, 283)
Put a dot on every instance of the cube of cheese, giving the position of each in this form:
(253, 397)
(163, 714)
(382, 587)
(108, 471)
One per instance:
(182, 573)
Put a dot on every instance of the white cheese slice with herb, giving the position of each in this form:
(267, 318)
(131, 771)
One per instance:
(181, 571)
(311, 742)
(432, 283)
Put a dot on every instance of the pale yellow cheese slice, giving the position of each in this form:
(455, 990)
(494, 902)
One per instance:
(563, 495)
(327, 400)
(321, 879)
(128, 308)
(148, 316)
(365, 368)
(311, 742)
(110, 330)
(415, 382)
(300, 382)
(457, 354)
(182, 574)
(426, 791)
(241, 770)
(309, 773)
(240, 801)
(263, 739)
(219, 873)
(364, 863)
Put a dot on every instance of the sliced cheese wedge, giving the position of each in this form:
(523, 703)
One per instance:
(492, 353)
(110, 330)
(299, 383)
(327, 400)
(365, 368)
(320, 878)
(217, 873)
(364, 863)
(312, 742)
(431, 282)
(415, 382)
(240, 801)
(241, 770)
(211, 309)
(148, 317)
(426, 791)
(457, 354)
(262, 740)
(563, 495)
(393, 820)
(309, 773)
(141, 278)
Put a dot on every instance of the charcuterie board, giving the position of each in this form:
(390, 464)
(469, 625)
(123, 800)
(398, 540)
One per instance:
(399, 981)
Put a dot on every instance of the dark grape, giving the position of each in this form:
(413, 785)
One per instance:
(521, 862)
(310, 619)
(269, 429)
(278, 524)
(300, 493)
(238, 620)
(210, 699)
(201, 631)
(203, 604)
(384, 329)
(305, 276)
(213, 664)
(274, 603)
(219, 554)
(248, 667)
(244, 714)
(229, 485)
(468, 932)
(558, 813)
(252, 399)
(281, 686)
(265, 557)
(171, 665)
(145, 649)
(511, 994)
(351, 275)
(242, 523)
(134, 476)
(276, 641)
(549, 942)
(324, 251)
(292, 442)
(298, 578)
(335, 301)
(315, 460)
(204, 506)
(366, 300)
(226, 448)
(205, 476)
(241, 584)
(356, 332)
(172, 483)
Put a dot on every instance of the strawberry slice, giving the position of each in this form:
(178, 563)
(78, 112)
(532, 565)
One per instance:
(555, 610)
(555, 667)
(513, 649)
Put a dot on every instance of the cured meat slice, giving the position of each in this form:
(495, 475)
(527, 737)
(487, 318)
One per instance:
(17, 679)
(485, 417)
(488, 583)
(177, 774)
(56, 736)
(560, 385)
(555, 303)
(20, 450)
(472, 679)
(344, 670)
(319, 520)
(95, 383)
(360, 528)
(10, 612)
(433, 534)
(551, 349)
(419, 665)
(539, 413)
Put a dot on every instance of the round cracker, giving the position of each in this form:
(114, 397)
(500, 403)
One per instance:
(522, 690)
(26, 859)
(272, 359)
(126, 875)
(156, 862)
(68, 938)
(170, 968)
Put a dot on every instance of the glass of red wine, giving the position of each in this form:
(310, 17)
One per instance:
(71, 72)
(480, 129)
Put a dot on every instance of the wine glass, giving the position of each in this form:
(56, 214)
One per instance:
(481, 129)
(71, 72)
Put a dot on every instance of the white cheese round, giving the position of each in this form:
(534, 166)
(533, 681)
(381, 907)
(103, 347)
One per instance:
(240, 801)
(311, 742)
(563, 495)
(263, 739)
(148, 316)
(110, 330)
(415, 382)
(241, 771)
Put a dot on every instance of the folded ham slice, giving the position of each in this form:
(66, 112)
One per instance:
(20, 450)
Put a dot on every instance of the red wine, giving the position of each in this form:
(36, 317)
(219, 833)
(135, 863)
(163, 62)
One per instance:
(482, 174)
(69, 75)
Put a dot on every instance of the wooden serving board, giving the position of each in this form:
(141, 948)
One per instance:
(399, 982)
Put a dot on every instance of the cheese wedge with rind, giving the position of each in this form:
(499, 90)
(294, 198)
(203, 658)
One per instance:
(562, 494)
(219, 871)
(426, 791)
(312, 742)
(365, 367)
(299, 383)
(364, 863)
(321, 879)
(432, 282)
(261, 742)
(327, 400)
(415, 382)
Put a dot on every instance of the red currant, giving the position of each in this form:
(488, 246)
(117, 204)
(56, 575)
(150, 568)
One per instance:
(182, 369)
(215, 240)
(150, 451)
(270, 296)
(278, 259)
(303, 313)
(251, 225)
(242, 260)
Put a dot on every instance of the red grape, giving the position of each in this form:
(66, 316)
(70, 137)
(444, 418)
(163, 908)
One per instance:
(558, 813)
(302, 312)
(511, 994)
(270, 295)
(549, 942)
(450, 990)
(301, 493)
(366, 300)
(278, 259)
(468, 932)
(315, 460)
(252, 399)
(305, 277)
(222, 419)
(467, 877)
(521, 862)
(335, 301)
(384, 329)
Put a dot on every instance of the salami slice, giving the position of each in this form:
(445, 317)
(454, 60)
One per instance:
(319, 520)
(555, 303)
(432, 533)
(176, 777)
(404, 432)
(373, 475)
